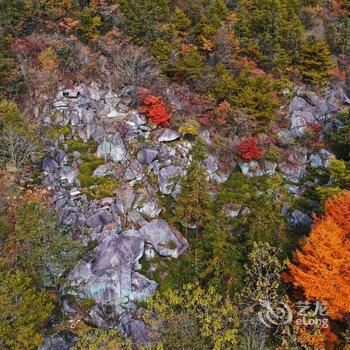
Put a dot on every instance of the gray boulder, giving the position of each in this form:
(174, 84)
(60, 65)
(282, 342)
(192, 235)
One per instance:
(139, 332)
(147, 155)
(168, 135)
(101, 218)
(62, 104)
(142, 287)
(103, 170)
(167, 178)
(341, 95)
(211, 164)
(299, 122)
(50, 165)
(133, 171)
(117, 250)
(294, 166)
(251, 168)
(321, 159)
(316, 160)
(112, 148)
(150, 209)
(94, 92)
(125, 197)
(301, 219)
(135, 120)
(298, 103)
(87, 116)
(166, 240)
(68, 174)
(108, 277)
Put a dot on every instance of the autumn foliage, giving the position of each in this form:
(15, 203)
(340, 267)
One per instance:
(155, 108)
(249, 150)
(321, 267)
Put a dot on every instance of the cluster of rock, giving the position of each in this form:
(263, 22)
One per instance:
(305, 109)
(145, 160)
(125, 226)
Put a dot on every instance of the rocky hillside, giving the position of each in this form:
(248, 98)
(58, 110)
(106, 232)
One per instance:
(107, 168)
(174, 174)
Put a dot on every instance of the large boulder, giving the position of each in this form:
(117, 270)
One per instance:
(116, 251)
(125, 196)
(133, 171)
(299, 122)
(50, 165)
(112, 148)
(300, 219)
(165, 239)
(321, 159)
(107, 278)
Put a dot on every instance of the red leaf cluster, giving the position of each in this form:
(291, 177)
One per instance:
(155, 108)
(249, 150)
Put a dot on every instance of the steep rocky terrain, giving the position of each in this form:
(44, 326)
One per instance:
(147, 162)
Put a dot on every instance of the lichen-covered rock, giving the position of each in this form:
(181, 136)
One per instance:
(166, 240)
(167, 178)
(112, 148)
(107, 278)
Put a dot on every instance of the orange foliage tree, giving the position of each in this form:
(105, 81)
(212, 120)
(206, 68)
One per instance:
(321, 267)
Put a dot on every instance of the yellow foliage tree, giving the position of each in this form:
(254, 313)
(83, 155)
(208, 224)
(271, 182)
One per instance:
(194, 318)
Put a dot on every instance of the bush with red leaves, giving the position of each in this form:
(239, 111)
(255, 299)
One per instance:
(249, 150)
(155, 108)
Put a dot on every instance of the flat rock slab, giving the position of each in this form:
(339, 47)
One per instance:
(168, 135)
(166, 240)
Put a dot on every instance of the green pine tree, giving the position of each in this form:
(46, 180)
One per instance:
(193, 205)
(141, 17)
(316, 62)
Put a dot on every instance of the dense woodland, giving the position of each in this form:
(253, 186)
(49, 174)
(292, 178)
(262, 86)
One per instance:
(229, 68)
